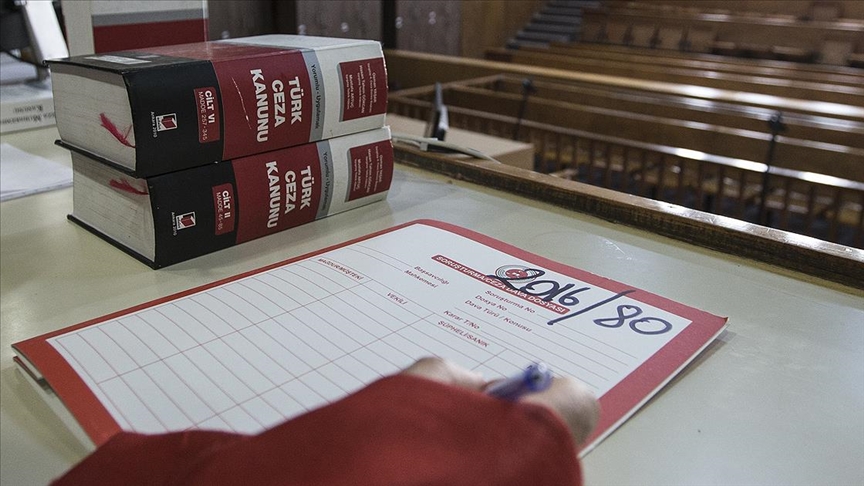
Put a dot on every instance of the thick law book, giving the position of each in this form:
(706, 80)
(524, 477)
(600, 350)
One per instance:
(169, 218)
(246, 353)
(162, 109)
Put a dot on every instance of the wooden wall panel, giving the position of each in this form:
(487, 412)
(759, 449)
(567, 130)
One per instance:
(340, 18)
(453, 27)
(433, 26)
(240, 18)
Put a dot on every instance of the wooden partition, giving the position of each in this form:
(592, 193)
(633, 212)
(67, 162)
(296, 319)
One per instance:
(819, 137)
(791, 153)
(691, 109)
(788, 251)
(802, 201)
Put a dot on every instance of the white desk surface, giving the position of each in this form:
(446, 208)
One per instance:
(777, 399)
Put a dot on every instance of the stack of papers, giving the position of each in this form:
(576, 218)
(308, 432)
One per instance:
(22, 173)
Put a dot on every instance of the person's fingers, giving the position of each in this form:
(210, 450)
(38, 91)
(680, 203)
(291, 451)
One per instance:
(565, 396)
(446, 372)
(573, 402)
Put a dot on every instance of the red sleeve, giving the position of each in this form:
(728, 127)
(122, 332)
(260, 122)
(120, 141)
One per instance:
(400, 430)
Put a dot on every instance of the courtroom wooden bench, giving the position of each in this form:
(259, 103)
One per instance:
(735, 33)
(831, 206)
(638, 55)
(792, 153)
(722, 62)
(799, 125)
(799, 9)
(407, 69)
(754, 84)
(856, 60)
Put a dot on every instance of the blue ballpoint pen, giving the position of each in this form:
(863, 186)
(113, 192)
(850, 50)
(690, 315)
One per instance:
(536, 377)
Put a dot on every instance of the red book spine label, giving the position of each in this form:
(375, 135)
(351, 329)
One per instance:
(371, 169)
(364, 88)
(224, 212)
(266, 102)
(277, 190)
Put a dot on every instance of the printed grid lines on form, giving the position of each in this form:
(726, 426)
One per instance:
(379, 256)
(571, 352)
(500, 363)
(585, 362)
(176, 381)
(565, 348)
(203, 361)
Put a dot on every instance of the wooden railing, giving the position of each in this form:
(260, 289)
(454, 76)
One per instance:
(789, 253)
(825, 207)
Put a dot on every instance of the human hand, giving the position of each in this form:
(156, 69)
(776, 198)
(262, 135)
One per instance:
(571, 400)
(446, 372)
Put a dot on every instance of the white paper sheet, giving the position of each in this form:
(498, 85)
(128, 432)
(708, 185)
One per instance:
(22, 173)
(253, 352)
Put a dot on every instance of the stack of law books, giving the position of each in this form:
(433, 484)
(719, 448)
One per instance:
(183, 150)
